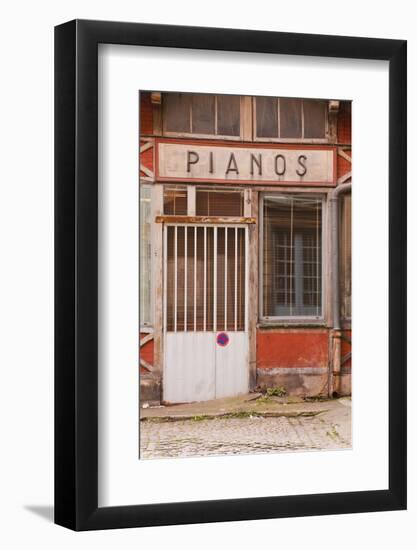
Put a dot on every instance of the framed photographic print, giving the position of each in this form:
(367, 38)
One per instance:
(230, 306)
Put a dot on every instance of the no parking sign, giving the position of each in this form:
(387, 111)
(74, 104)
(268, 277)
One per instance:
(222, 339)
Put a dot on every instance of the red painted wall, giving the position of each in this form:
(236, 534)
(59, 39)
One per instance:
(344, 137)
(292, 348)
(146, 121)
(146, 352)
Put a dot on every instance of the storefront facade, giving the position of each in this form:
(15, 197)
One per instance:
(245, 246)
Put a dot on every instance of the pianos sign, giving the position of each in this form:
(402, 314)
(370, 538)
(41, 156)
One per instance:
(273, 164)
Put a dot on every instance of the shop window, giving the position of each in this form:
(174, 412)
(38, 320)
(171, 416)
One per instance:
(292, 257)
(145, 255)
(175, 200)
(345, 256)
(201, 114)
(290, 119)
(219, 203)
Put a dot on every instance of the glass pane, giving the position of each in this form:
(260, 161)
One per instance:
(176, 112)
(314, 118)
(145, 255)
(290, 118)
(292, 257)
(219, 203)
(202, 114)
(175, 201)
(228, 115)
(266, 117)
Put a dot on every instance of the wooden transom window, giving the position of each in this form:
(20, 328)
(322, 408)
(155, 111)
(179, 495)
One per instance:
(219, 203)
(290, 119)
(175, 200)
(292, 257)
(202, 115)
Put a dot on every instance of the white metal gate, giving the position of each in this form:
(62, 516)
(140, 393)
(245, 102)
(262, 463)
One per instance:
(205, 312)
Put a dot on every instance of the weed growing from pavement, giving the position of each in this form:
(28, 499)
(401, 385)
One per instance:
(333, 433)
(276, 391)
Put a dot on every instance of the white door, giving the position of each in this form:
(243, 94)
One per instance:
(205, 312)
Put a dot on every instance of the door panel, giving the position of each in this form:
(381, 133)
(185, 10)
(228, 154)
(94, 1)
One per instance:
(205, 292)
(190, 372)
(232, 378)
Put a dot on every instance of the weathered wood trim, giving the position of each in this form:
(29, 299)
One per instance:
(146, 365)
(191, 193)
(143, 363)
(248, 195)
(343, 154)
(157, 278)
(253, 207)
(345, 177)
(246, 118)
(149, 175)
(146, 339)
(159, 219)
(332, 117)
(327, 249)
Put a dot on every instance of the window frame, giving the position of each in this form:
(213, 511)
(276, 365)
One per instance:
(303, 139)
(167, 133)
(346, 321)
(274, 320)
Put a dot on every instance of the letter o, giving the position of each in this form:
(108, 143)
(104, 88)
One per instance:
(284, 165)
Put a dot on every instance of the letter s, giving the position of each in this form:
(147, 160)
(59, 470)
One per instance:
(301, 161)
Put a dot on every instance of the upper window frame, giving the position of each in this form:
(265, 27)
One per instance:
(240, 137)
(279, 320)
(325, 140)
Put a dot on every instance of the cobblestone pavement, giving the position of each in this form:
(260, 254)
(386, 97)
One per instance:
(230, 436)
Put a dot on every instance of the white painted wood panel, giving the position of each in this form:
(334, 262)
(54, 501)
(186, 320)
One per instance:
(189, 372)
(232, 373)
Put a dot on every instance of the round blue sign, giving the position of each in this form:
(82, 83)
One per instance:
(222, 339)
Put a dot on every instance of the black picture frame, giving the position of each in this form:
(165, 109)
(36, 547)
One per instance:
(76, 271)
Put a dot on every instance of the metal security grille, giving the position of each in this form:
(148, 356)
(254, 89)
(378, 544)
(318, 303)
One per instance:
(205, 278)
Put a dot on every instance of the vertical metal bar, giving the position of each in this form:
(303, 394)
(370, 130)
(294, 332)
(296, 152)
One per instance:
(205, 281)
(195, 278)
(236, 278)
(175, 277)
(166, 229)
(286, 268)
(225, 278)
(185, 277)
(246, 282)
(215, 281)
